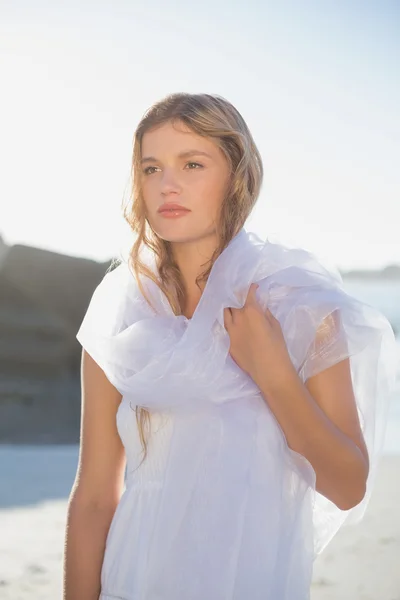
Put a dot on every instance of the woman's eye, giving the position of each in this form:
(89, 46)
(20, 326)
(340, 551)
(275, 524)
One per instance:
(150, 170)
(147, 170)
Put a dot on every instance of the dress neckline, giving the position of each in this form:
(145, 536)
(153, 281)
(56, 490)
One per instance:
(241, 234)
(160, 300)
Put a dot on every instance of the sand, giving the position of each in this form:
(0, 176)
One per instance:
(361, 563)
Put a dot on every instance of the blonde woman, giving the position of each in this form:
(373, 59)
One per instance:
(233, 395)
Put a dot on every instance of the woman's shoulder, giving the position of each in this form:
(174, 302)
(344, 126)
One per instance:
(294, 270)
(118, 283)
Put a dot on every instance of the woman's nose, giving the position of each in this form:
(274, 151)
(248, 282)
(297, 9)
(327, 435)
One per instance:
(169, 182)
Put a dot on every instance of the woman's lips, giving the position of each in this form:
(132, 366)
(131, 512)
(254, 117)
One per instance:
(172, 210)
(172, 206)
(174, 213)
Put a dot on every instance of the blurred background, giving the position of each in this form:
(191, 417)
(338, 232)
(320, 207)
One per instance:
(318, 84)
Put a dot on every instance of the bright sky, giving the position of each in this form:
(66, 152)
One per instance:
(317, 82)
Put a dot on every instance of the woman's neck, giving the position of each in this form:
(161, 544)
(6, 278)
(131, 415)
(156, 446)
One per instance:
(192, 258)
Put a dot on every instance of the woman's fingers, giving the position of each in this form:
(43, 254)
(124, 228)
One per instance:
(251, 296)
(251, 299)
(228, 318)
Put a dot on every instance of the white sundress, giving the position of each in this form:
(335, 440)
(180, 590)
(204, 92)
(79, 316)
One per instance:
(222, 508)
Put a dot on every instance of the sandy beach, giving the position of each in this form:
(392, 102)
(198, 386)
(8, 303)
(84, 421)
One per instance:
(361, 563)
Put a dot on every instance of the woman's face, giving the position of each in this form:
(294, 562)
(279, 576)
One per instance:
(181, 167)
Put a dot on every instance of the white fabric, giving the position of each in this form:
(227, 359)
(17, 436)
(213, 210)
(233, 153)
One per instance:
(222, 508)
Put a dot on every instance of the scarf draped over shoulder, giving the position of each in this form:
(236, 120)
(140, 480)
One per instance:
(168, 363)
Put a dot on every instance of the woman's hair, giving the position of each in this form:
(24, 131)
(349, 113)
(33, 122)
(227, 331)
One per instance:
(213, 117)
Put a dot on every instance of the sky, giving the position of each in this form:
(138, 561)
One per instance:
(317, 82)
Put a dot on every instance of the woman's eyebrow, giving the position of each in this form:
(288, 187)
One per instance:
(185, 154)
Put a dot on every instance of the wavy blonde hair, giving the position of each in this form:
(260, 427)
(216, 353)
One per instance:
(213, 117)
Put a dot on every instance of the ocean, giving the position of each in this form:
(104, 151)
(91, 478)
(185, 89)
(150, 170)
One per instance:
(384, 295)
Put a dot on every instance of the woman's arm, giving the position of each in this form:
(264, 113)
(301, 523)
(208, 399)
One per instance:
(319, 418)
(98, 484)
(320, 421)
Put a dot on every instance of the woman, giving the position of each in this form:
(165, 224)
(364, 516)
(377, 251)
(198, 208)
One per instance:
(244, 391)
